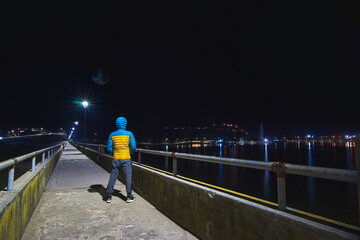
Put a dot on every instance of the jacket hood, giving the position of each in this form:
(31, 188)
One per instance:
(121, 123)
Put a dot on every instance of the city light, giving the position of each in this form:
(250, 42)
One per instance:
(85, 104)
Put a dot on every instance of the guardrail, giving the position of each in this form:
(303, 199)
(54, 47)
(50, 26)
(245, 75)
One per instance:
(12, 162)
(281, 169)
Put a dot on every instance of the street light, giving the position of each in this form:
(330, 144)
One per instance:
(73, 129)
(85, 104)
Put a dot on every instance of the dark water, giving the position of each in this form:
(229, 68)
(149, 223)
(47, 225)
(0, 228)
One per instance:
(332, 199)
(21, 146)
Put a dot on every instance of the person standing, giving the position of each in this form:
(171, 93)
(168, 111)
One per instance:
(121, 144)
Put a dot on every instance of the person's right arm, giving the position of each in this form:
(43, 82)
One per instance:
(109, 146)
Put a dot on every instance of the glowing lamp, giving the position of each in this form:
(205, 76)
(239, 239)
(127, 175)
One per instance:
(85, 104)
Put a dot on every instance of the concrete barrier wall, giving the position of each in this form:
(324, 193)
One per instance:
(211, 214)
(17, 207)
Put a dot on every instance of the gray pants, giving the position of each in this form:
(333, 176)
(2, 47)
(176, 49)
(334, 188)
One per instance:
(126, 168)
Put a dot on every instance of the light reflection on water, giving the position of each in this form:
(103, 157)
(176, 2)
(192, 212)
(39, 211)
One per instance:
(220, 175)
(266, 174)
(310, 182)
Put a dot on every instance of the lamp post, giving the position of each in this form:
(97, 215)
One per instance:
(85, 104)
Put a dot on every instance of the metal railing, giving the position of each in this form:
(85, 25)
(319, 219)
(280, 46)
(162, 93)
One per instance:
(11, 163)
(281, 169)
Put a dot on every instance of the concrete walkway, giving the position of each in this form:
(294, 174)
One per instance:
(72, 207)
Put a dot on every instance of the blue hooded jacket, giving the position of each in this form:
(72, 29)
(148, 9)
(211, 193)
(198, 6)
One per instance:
(121, 143)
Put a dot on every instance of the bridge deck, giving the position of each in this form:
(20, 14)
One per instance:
(72, 207)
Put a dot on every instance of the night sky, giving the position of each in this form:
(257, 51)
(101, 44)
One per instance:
(293, 65)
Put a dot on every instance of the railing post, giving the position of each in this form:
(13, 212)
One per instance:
(43, 157)
(11, 174)
(33, 161)
(139, 158)
(98, 154)
(357, 163)
(281, 188)
(174, 164)
(166, 158)
(279, 169)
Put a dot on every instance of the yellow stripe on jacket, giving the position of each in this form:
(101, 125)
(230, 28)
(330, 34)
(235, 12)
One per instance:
(121, 147)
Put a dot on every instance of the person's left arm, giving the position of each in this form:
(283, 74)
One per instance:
(132, 143)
